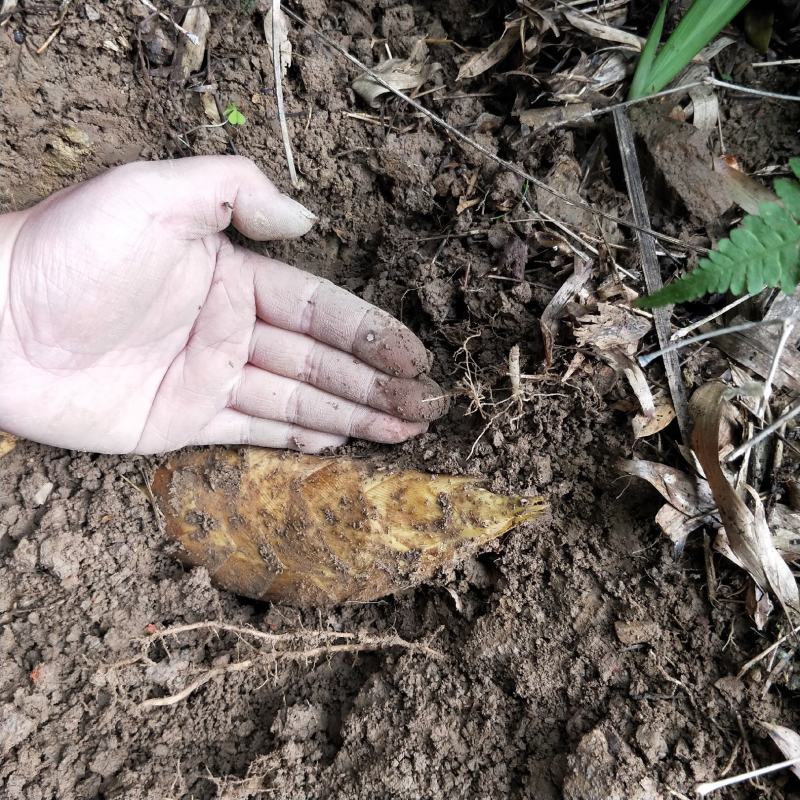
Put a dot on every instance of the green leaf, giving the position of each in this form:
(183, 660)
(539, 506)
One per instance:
(789, 192)
(234, 116)
(763, 251)
(701, 23)
(642, 75)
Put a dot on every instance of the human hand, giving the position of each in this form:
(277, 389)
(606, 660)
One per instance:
(130, 323)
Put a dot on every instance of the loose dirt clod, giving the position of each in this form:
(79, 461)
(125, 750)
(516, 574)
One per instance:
(309, 530)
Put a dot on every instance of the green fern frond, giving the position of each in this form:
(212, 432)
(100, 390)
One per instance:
(763, 251)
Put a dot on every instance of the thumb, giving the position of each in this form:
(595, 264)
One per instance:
(205, 194)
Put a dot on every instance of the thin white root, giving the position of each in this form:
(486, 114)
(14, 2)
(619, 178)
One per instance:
(171, 700)
(277, 65)
(703, 789)
(363, 644)
(241, 630)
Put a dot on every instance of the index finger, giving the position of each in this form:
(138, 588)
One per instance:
(296, 300)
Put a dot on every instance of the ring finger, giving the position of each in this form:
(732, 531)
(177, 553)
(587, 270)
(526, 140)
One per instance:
(263, 394)
(297, 356)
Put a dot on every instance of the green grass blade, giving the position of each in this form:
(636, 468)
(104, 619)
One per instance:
(642, 75)
(701, 23)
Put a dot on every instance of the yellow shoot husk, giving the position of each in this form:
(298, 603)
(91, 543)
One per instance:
(311, 530)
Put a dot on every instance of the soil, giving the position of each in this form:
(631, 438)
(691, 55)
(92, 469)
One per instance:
(579, 657)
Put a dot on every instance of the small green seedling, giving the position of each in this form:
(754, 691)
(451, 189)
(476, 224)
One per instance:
(763, 251)
(701, 23)
(234, 116)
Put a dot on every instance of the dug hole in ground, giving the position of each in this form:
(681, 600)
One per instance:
(577, 656)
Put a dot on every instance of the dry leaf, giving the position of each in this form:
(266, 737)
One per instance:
(635, 377)
(314, 530)
(283, 41)
(403, 74)
(788, 742)
(466, 203)
(189, 56)
(784, 524)
(778, 574)
(644, 426)
(757, 602)
(747, 532)
(614, 334)
(589, 77)
(690, 504)
(550, 316)
(705, 107)
(210, 107)
(543, 19)
(691, 496)
(7, 443)
(747, 192)
(755, 348)
(494, 54)
(537, 118)
(758, 605)
(597, 30)
(612, 328)
(677, 526)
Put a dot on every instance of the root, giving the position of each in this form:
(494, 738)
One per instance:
(171, 700)
(511, 409)
(299, 645)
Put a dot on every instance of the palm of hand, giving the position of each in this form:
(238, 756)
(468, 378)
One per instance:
(134, 325)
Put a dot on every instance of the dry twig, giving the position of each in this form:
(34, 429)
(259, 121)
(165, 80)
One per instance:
(786, 332)
(794, 410)
(683, 332)
(277, 60)
(764, 653)
(652, 273)
(681, 343)
(59, 24)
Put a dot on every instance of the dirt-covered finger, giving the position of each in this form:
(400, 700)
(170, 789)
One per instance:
(269, 396)
(298, 356)
(202, 195)
(234, 427)
(296, 300)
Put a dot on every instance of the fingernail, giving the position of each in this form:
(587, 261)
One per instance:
(301, 209)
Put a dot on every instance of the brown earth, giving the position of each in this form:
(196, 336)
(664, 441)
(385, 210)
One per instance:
(580, 659)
